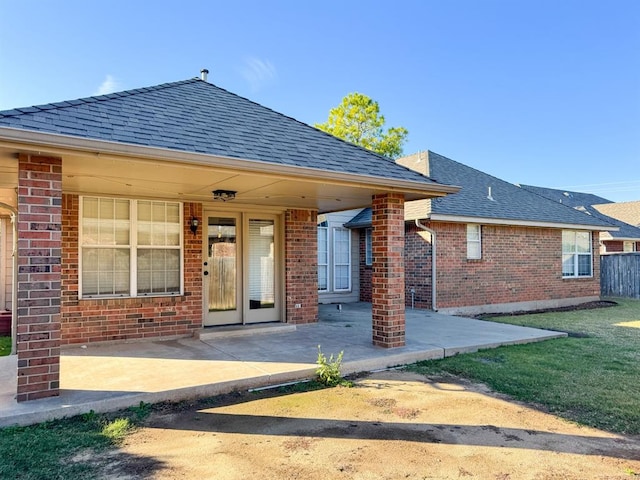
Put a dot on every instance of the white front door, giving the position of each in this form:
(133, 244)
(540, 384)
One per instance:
(241, 268)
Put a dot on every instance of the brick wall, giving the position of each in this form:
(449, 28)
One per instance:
(301, 266)
(387, 281)
(101, 320)
(518, 265)
(615, 246)
(417, 258)
(38, 286)
(366, 271)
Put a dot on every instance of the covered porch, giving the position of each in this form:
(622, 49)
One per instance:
(109, 377)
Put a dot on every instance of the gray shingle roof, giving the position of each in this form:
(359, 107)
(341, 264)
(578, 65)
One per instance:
(508, 202)
(196, 116)
(585, 202)
(566, 197)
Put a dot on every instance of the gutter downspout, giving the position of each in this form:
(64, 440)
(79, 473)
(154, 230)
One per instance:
(433, 263)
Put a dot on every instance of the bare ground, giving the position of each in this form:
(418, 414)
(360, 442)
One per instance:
(390, 425)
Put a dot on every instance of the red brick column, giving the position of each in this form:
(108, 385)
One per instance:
(301, 266)
(38, 288)
(387, 282)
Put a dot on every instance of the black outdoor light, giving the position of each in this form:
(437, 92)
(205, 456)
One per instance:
(224, 195)
(193, 225)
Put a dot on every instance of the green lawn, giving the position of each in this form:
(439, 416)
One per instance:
(592, 377)
(5, 346)
(67, 449)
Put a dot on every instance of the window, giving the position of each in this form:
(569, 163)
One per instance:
(474, 242)
(368, 248)
(628, 246)
(341, 259)
(323, 257)
(130, 247)
(576, 254)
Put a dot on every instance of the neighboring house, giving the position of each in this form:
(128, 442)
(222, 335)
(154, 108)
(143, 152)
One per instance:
(628, 212)
(497, 246)
(153, 212)
(624, 238)
(338, 270)
(6, 263)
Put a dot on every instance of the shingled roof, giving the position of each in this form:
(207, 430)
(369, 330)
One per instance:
(566, 197)
(483, 197)
(197, 116)
(628, 212)
(591, 204)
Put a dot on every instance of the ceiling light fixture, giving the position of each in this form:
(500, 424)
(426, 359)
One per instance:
(224, 195)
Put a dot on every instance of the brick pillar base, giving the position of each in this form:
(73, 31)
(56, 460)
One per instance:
(38, 287)
(301, 266)
(387, 282)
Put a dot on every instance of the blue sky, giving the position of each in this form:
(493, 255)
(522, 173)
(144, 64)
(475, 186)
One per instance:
(541, 92)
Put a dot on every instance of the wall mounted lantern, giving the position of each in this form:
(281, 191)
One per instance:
(193, 225)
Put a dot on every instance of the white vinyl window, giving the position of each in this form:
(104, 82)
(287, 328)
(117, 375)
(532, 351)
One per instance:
(474, 241)
(341, 259)
(628, 246)
(368, 247)
(576, 254)
(130, 247)
(323, 258)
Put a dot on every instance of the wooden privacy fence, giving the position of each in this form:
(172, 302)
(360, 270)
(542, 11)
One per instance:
(620, 275)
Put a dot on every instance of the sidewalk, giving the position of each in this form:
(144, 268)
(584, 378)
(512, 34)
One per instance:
(109, 377)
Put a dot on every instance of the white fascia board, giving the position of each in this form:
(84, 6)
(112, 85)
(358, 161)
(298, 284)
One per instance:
(58, 144)
(519, 223)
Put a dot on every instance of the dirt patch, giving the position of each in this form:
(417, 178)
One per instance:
(390, 425)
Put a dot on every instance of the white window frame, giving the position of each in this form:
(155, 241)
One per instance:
(368, 247)
(474, 245)
(575, 253)
(323, 263)
(337, 264)
(132, 247)
(628, 246)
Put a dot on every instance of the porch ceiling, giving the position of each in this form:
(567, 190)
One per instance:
(193, 180)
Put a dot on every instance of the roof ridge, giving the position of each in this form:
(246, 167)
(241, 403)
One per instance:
(305, 124)
(93, 99)
(474, 169)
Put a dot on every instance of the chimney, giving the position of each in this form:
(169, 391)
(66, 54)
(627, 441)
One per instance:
(203, 74)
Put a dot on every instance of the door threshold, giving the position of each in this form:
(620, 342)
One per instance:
(230, 331)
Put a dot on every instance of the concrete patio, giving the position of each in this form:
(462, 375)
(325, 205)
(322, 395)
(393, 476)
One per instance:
(109, 377)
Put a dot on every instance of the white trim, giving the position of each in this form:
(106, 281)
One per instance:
(576, 256)
(132, 247)
(473, 241)
(368, 246)
(53, 142)
(521, 223)
(326, 258)
(335, 264)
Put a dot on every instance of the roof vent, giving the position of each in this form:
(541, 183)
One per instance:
(489, 194)
(203, 74)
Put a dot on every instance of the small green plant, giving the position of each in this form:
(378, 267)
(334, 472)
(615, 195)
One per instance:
(328, 371)
(117, 429)
(141, 411)
(90, 416)
(5, 346)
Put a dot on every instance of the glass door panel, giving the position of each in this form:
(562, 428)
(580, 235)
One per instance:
(222, 269)
(261, 272)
